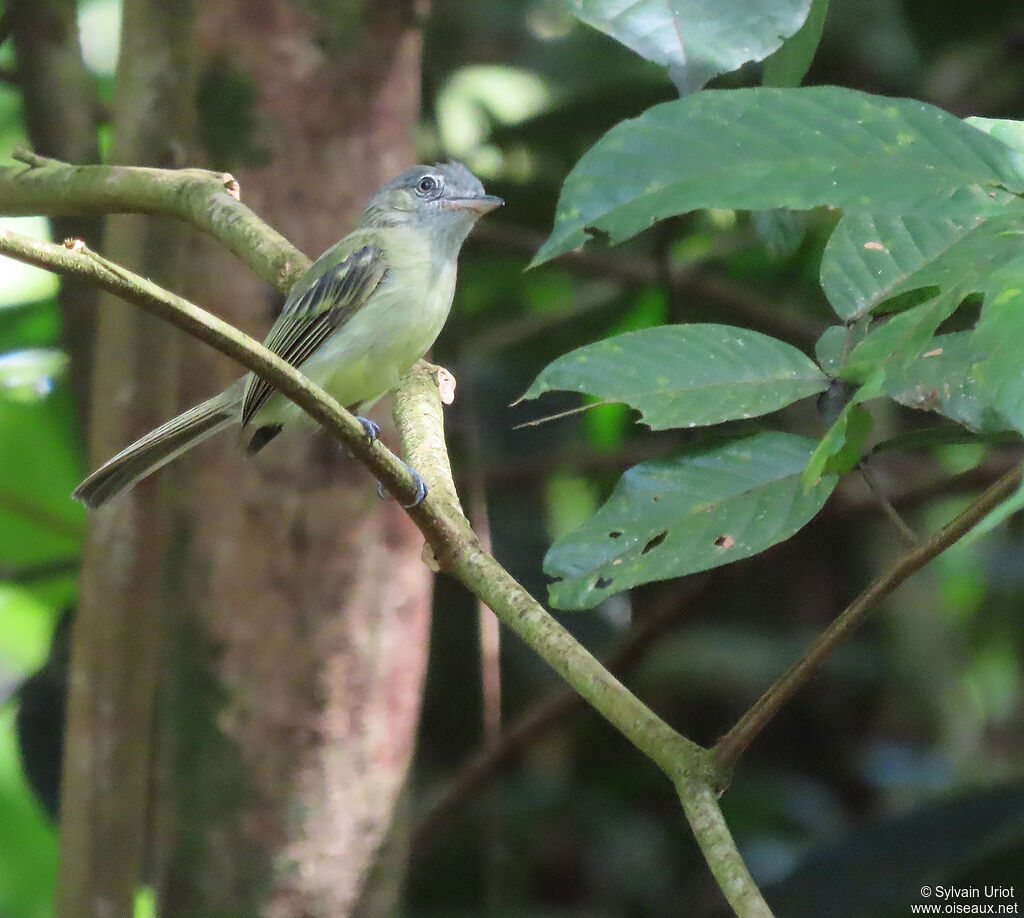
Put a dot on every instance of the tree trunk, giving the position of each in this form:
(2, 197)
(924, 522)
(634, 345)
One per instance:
(295, 605)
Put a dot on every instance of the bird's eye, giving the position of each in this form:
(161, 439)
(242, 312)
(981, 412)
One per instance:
(428, 186)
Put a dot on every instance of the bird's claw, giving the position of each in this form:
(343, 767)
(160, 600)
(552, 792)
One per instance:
(421, 489)
(372, 428)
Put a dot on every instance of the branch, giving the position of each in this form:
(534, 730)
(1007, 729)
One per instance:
(892, 514)
(451, 541)
(207, 200)
(729, 748)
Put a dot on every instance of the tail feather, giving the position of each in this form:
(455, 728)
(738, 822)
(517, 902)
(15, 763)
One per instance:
(159, 447)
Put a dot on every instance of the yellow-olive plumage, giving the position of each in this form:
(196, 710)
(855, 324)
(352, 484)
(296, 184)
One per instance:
(355, 322)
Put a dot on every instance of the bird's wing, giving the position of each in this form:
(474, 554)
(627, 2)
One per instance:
(314, 310)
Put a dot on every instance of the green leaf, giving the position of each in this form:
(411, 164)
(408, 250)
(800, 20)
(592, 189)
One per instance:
(789, 65)
(942, 380)
(872, 258)
(899, 340)
(687, 375)
(1009, 132)
(761, 148)
(689, 513)
(842, 446)
(699, 39)
(998, 337)
(835, 345)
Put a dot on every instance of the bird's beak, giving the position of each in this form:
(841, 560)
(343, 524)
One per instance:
(482, 205)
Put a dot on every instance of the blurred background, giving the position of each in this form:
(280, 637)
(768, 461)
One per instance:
(901, 764)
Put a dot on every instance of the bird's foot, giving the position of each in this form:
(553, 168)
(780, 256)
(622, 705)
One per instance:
(372, 428)
(421, 488)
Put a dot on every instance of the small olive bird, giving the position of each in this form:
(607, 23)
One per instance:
(355, 322)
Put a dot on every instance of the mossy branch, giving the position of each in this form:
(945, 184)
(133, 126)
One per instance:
(209, 201)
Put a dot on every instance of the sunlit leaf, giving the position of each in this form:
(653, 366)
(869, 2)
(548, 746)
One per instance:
(687, 375)
(760, 148)
(696, 511)
(699, 39)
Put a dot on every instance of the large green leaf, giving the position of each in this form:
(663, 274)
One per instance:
(687, 375)
(696, 511)
(698, 39)
(800, 148)
(871, 258)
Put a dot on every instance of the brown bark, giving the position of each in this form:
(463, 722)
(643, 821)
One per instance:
(294, 607)
(310, 595)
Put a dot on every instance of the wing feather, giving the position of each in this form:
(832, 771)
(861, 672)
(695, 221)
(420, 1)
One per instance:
(313, 312)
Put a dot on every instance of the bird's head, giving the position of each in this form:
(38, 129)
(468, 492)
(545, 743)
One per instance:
(443, 200)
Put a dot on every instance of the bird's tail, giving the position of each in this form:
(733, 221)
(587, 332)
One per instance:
(159, 447)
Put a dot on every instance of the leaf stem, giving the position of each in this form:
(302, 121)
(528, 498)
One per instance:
(902, 527)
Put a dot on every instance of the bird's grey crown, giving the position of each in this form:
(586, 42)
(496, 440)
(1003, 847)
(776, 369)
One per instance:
(458, 181)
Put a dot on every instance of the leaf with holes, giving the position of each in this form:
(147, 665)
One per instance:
(942, 380)
(754, 149)
(872, 258)
(699, 39)
(687, 375)
(688, 513)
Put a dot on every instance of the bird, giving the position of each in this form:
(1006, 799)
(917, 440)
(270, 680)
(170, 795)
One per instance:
(366, 310)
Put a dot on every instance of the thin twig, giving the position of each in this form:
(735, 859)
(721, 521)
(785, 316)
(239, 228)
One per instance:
(902, 527)
(729, 748)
